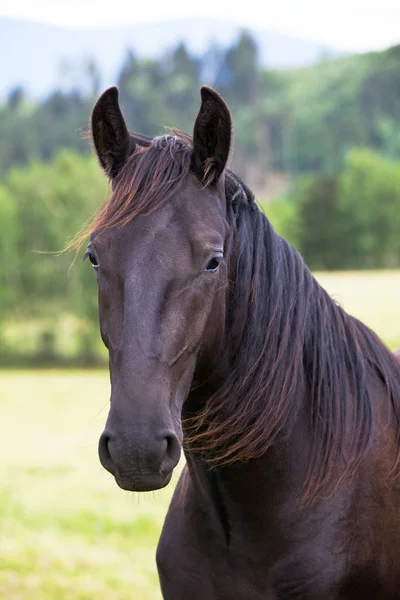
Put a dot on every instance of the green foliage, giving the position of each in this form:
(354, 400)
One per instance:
(238, 76)
(351, 219)
(28, 132)
(9, 275)
(283, 214)
(321, 227)
(42, 205)
(370, 199)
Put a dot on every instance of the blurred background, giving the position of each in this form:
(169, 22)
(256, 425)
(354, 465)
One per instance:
(314, 89)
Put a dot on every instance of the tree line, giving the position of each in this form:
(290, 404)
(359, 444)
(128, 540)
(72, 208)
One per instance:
(295, 122)
(332, 130)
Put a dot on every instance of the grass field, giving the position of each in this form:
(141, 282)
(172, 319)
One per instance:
(372, 296)
(67, 531)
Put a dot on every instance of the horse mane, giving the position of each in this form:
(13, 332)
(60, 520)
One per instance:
(285, 336)
(150, 175)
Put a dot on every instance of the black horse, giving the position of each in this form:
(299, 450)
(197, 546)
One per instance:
(221, 341)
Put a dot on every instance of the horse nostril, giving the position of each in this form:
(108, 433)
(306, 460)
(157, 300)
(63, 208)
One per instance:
(104, 454)
(173, 452)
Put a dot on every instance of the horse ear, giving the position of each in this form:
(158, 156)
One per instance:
(211, 137)
(111, 138)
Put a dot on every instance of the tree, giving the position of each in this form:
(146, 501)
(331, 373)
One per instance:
(238, 78)
(40, 206)
(16, 98)
(322, 239)
(370, 199)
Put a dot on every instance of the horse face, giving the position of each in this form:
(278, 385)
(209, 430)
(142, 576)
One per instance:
(161, 281)
(158, 283)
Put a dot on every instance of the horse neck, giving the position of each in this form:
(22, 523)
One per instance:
(255, 500)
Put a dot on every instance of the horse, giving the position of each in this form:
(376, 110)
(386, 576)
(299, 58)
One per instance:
(221, 343)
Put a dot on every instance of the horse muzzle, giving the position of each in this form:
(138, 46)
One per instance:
(140, 464)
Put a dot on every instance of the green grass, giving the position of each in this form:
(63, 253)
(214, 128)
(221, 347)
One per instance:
(67, 531)
(371, 296)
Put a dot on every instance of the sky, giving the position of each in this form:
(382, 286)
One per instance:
(351, 25)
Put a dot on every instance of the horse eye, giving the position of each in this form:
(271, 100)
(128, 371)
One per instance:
(213, 264)
(92, 259)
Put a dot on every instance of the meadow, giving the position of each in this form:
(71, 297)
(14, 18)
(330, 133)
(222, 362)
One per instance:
(67, 531)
